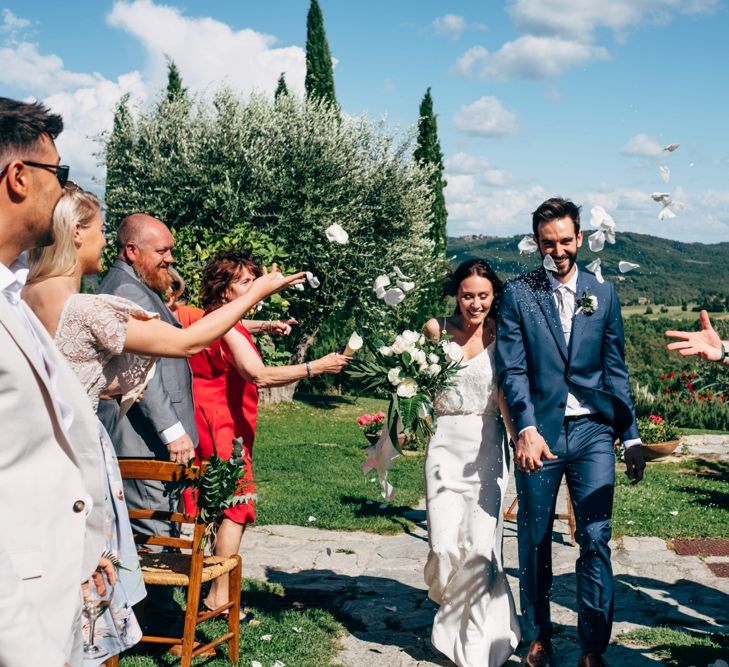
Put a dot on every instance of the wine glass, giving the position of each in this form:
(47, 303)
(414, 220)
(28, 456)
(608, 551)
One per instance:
(97, 593)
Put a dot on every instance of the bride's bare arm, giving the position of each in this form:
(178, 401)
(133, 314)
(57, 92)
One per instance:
(510, 430)
(159, 339)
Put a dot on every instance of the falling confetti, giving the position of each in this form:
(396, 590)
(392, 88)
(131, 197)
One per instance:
(311, 519)
(527, 245)
(312, 280)
(336, 234)
(671, 147)
(548, 263)
(624, 267)
(665, 173)
(393, 296)
(595, 267)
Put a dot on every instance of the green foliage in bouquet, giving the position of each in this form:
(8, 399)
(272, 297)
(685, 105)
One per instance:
(412, 369)
(217, 490)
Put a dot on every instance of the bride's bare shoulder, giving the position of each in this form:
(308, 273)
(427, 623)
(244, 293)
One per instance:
(432, 328)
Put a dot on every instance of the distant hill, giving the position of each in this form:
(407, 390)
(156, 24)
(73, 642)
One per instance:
(669, 270)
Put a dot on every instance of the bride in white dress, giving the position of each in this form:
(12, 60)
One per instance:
(466, 478)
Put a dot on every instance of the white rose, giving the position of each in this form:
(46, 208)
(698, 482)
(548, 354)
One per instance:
(453, 351)
(407, 388)
(593, 301)
(394, 376)
(398, 345)
(410, 337)
(433, 358)
(433, 370)
(386, 351)
(418, 356)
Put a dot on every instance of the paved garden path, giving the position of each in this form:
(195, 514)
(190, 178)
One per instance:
(374, 585)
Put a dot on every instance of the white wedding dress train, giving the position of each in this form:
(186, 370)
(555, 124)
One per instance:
(466, 478)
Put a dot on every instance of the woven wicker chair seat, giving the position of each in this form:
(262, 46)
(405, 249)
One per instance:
(171, 569)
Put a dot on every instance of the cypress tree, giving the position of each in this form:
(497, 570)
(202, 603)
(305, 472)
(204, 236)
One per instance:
(281, 88)
(428, 152)
(319, 81)
(175, 89)
(119, 156)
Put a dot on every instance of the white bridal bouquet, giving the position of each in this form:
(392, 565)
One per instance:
(412, 368)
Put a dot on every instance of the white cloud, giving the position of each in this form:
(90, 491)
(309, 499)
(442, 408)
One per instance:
(642, 145)
(13, 24)
(463, 163)
(486, 117)
(208, 52)
(450, 25)
(527, 57)
(579, 20)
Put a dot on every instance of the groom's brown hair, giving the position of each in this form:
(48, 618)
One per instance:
(554, 209)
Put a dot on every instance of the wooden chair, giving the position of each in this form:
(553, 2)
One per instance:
(569, 515)
(191, 569)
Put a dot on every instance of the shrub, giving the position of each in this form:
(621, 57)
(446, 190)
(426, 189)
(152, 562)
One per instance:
(657, 429)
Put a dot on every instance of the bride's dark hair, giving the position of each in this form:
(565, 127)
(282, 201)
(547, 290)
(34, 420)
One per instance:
(474, 267)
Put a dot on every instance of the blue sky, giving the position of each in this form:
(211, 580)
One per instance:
(534, 97)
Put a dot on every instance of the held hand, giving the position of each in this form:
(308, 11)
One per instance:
(181, 450)
(634, 463)
(531, 448)
(105, 567)
(332, 363)
(281, 327)
(274, 281)
(706, 343)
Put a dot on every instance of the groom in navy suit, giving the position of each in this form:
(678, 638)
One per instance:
(559, 355)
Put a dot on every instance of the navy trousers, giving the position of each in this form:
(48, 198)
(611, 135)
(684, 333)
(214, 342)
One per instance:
(586, 457)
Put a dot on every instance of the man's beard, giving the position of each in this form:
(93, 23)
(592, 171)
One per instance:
(571, 259)
(156, 278)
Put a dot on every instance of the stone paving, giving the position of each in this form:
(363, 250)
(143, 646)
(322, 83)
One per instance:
(374, 585)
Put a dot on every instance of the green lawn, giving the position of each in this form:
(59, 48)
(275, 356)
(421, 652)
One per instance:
(306, 637)
(674, 312)
(696, 490)
(679, 648)
(308, 463)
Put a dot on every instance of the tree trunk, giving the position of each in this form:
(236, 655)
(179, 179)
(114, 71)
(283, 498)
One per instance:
(285, 394)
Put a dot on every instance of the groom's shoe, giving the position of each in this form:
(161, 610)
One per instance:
(591, 660)
(540, 653)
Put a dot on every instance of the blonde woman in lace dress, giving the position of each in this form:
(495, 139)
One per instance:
(465, 478)
(111, 344)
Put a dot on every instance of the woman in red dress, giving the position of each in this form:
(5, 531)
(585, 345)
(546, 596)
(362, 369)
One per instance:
(226, 378)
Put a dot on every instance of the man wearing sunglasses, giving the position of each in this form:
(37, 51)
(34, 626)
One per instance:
(51, 493)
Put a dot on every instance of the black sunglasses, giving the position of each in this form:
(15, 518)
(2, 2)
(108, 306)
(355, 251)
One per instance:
(61, 170)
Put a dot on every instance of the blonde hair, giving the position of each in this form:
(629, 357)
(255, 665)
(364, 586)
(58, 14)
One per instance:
(76, 207)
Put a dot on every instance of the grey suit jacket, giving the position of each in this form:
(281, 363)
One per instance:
(167, 399)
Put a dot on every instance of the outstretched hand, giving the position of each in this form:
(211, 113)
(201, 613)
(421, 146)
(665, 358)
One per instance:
(634, 463)
(531, 449)
(274, 281)
(705, 343)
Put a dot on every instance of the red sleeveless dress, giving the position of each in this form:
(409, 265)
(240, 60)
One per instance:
(226, 407)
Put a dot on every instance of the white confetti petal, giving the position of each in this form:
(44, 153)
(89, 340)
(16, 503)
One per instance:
(393, 296)
(266, 638)
(600, 218)
(595, 267)
(311, 519)
(299, 287)
(399, 273)
(624, 267)
(527, 245)
(671, 147)
(336, 234)
(666, 214)
(665, 173)
(295, 629)
(405, 285)
(255, 663)
(383, 506)
(673, 512)
(548, 263)
(661, 197)
(312, 280)
(380, 292)
(380, 282)
(596, 240)
(370, 502)
(393, 608)
(278, 663)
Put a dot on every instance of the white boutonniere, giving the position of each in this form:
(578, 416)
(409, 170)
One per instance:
(587, 304)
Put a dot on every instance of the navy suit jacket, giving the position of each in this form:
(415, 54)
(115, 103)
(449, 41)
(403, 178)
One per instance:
(537, 368)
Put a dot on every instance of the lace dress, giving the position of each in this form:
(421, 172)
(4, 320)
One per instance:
(90, 334)
(466, 478)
